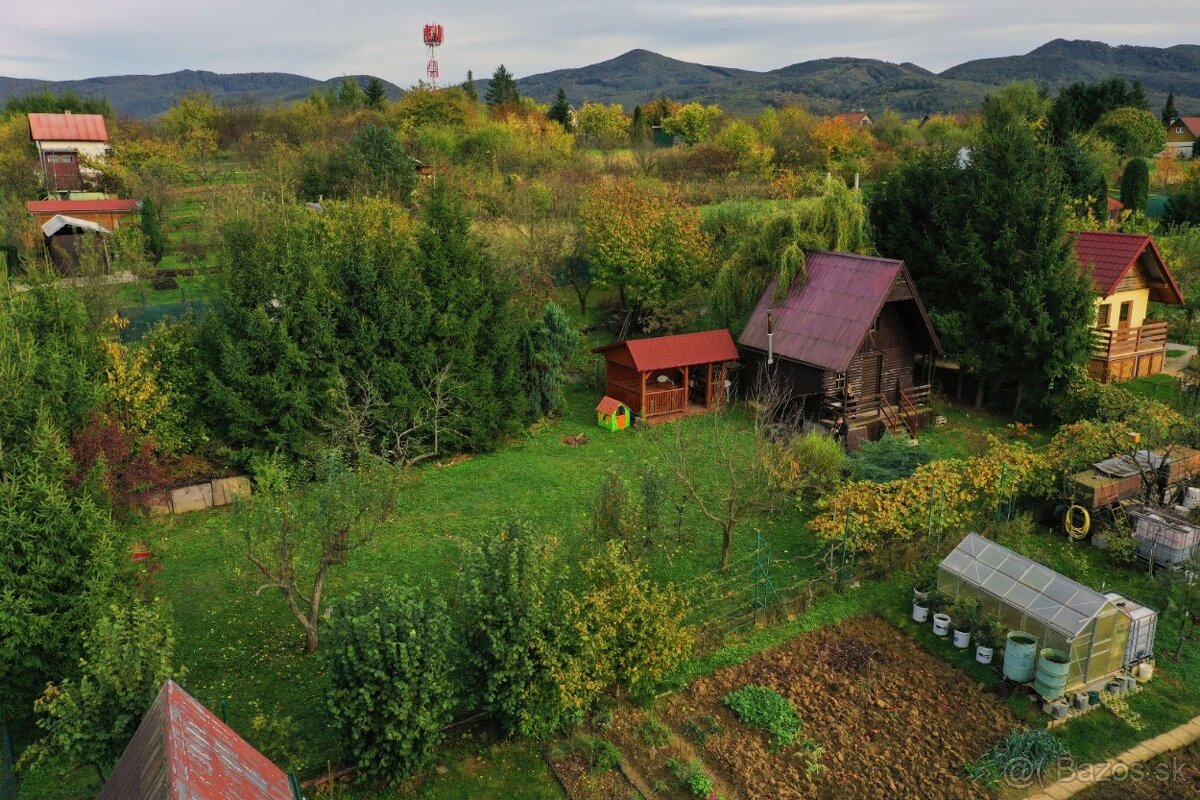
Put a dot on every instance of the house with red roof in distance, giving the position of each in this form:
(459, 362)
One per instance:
(669, 377)
(1115, 207)
(855, 119)
(63, 141)
(850, 340)
(1128, 272)
(182, 751)
(1182, 135)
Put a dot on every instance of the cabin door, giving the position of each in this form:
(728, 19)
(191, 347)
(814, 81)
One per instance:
(1123, 315)
(63, 172)
(872, 373)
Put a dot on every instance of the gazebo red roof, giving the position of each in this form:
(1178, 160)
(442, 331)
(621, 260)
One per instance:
(680, 350)
(68, 127)
(79, 206)
(1109, 256)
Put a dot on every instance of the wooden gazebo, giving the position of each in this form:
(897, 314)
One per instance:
(667, 377)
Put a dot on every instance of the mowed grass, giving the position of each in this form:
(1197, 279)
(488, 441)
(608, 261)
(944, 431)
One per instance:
(241, 644)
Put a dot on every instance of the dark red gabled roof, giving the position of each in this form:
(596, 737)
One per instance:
(825, 317)
(681, 350)
(79, 206)
(1115, 205)
(182, 751)
(1108, 256)
(68, 127)
(609, 405)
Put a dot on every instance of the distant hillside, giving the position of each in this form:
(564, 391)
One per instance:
(148, 95)
(839, 84)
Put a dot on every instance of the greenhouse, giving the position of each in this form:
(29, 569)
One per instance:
(1029, 597)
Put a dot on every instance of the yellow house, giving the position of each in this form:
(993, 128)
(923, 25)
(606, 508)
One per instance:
(1182, 134)
(1129, 272)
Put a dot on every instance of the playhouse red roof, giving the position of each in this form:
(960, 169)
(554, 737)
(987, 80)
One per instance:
(825, 317)
(1109, 256)
(79, 206)
(681, 350)
(608, 405)
(68, 127)
(182, 751)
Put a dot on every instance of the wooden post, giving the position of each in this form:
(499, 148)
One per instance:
(686, 386)
(645, 375)
(708, 392)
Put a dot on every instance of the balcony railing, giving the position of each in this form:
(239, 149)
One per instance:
(1149, 337)
(664, 401)
(913, 403)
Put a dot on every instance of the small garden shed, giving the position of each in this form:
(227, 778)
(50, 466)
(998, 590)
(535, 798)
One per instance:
(1029, 597)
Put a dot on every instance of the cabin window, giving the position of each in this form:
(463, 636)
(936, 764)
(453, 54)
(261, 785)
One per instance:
(1179, 129)
(1125, 310)
(1104, 314)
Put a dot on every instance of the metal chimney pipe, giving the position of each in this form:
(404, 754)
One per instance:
(770, 337)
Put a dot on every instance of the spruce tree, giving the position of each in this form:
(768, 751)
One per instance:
(560, 111)
(152, 232)
(376, 95)
(468, 87)
(502, 88)
(1169, 112)
(1135, 185)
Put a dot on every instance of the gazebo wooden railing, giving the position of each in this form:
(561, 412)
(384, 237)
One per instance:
(665, 401)
(1148, 337)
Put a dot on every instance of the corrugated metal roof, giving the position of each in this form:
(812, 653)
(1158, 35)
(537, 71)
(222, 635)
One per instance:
(60, 221)
(79, 206)
(1109, 255)
(824, 320)
(1021, 583)
(181, 751)
(68, 127)
(684, 349)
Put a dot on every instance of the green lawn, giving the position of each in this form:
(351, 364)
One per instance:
(245, 648)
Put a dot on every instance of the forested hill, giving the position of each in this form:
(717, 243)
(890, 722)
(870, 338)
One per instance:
(825, 85)
(148, 95)
(840, 84)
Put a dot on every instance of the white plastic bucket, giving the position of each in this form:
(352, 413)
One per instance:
(1145, 671)
(962, 639)
(984, 654)
(920, 613)
(941, 624)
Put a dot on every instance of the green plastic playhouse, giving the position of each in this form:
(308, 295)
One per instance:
(612, 414)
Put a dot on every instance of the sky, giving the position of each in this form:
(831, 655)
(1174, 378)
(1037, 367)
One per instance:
(324, 39)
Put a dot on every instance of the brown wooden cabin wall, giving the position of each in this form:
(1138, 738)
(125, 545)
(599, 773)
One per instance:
(892, 340)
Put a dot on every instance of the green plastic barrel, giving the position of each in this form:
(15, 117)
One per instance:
(1052, 669)
(1020, 649)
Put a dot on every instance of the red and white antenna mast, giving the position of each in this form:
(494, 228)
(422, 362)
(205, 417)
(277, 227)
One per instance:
(434, 35)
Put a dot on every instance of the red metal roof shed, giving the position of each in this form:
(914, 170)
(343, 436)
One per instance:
(672, 352)
(825, 318)
(68, 127)
(182, 751)
(1109, 256)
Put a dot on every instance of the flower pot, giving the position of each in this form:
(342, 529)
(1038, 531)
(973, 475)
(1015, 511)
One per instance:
(962, 639)
(984, 654)
(920, 612)
(941, 624)
(1145, 671)
(920, 596)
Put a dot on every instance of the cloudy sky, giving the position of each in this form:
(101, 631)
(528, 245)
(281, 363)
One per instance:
(324, 38)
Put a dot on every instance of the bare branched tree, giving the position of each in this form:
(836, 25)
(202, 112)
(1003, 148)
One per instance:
(435, 418)
(295, 536)
(742, 487)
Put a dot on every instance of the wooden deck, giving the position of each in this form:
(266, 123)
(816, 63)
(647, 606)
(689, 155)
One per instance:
(691, 410)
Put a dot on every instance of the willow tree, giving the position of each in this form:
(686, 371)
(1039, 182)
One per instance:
(772, 249)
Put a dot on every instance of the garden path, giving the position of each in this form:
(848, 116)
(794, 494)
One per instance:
(1164, 743)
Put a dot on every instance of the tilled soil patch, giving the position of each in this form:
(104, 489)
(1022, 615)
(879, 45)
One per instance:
(581, 783)
(647, 766)
(894, 720)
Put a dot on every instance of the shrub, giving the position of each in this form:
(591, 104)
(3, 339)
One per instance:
(602, 756)
(692, 776)
(809, 464)
(763, 707)
(889, 459)
(390, 692)
(1022, 754)
(654, 734)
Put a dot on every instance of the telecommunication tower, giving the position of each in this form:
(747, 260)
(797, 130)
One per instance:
(434, 35)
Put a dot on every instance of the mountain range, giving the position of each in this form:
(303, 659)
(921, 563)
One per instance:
(150, 95)
(824, 85)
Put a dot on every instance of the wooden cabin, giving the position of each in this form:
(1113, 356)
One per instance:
(1128, 272)
(845, 342)
(668, 377)
(62, 140)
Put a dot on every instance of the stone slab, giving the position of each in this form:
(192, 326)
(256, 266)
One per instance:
(225, 489)
(196, 497)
